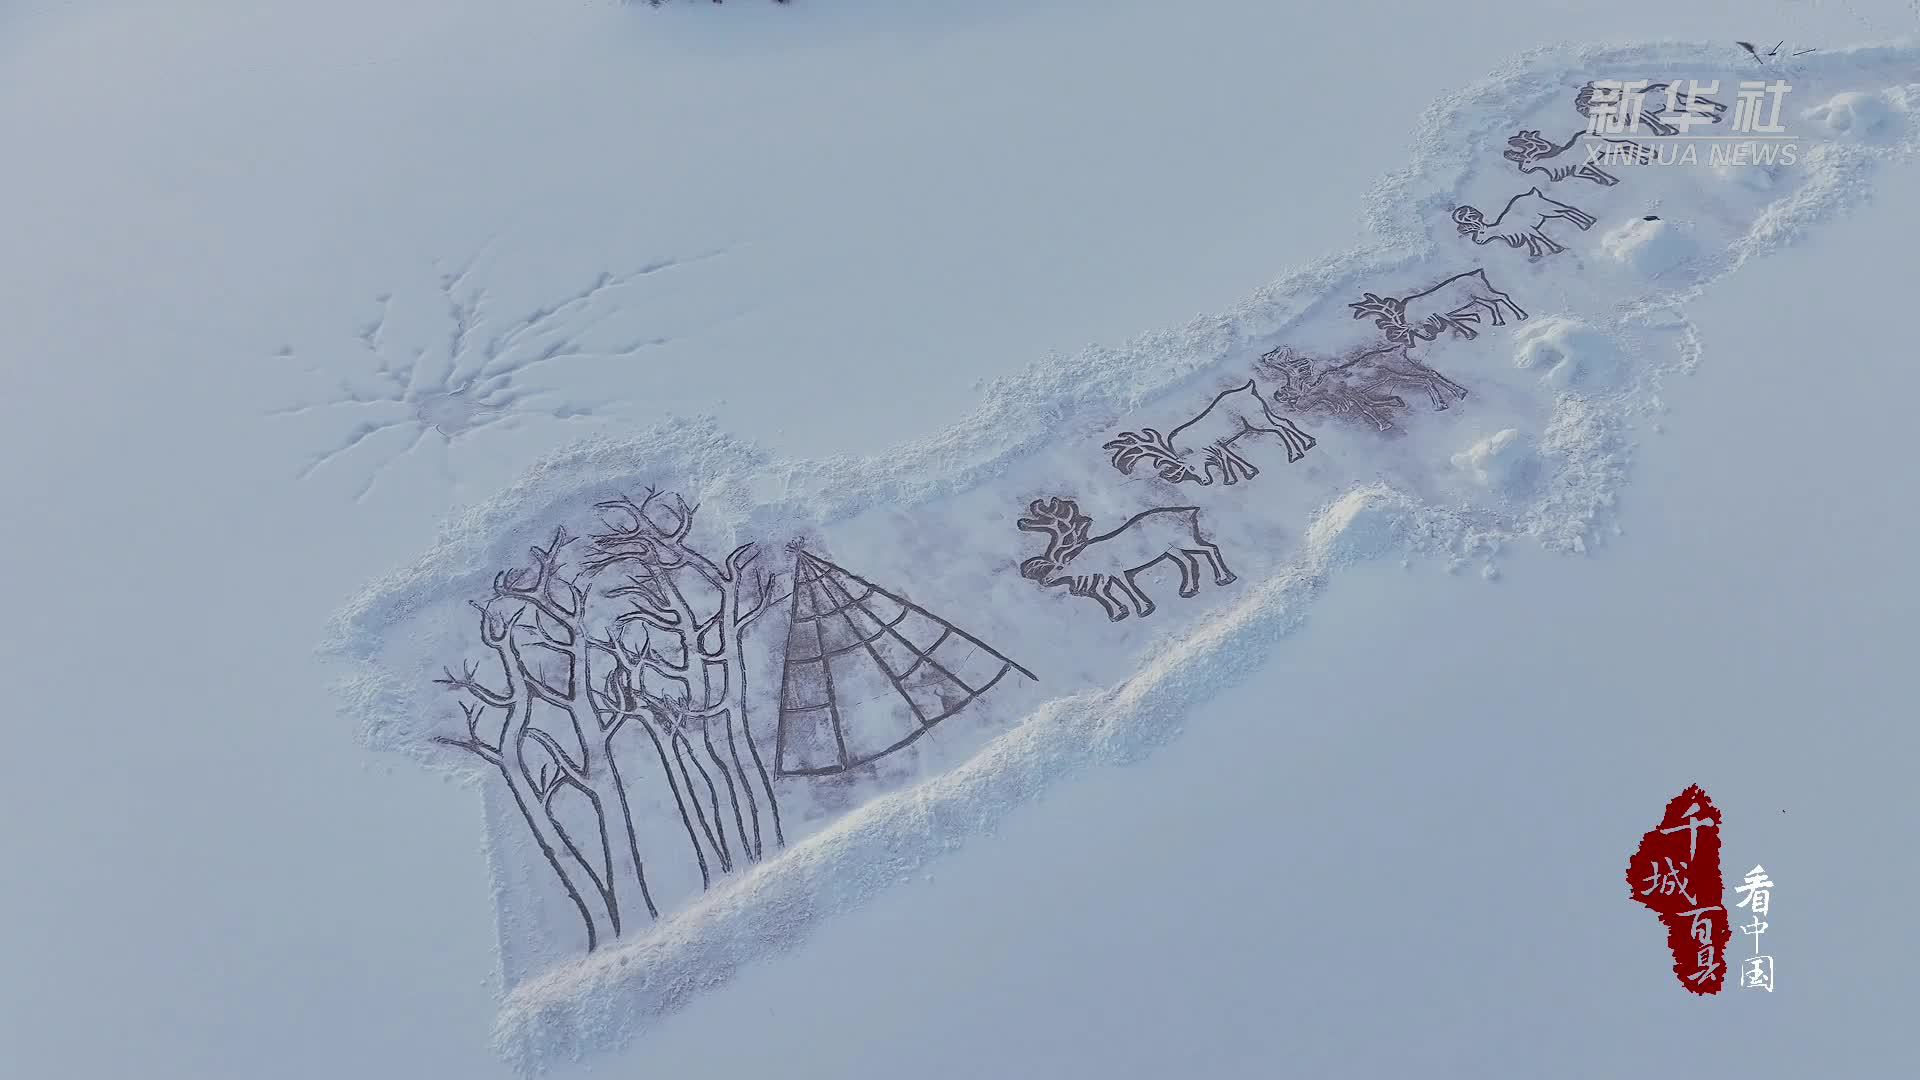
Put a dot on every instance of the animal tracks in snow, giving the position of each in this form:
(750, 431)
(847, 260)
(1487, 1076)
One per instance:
(435, 367)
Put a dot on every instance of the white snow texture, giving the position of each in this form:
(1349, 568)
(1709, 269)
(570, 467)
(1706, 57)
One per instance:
(1537, 451)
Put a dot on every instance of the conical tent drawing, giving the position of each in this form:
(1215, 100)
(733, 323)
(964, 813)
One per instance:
(868, 671)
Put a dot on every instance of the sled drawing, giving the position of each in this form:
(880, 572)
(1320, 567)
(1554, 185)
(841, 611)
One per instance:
(1520, 223)
(867, 672)
(1450, 305)
(1533, 153)
(1203, 445)
(1105, 565)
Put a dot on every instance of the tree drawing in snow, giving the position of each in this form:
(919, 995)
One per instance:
(867, 671)
(1105, 565)
(1453, 305)
(1532, 152)
(615, 669)
(1520, 223)
(475, 374)
(1202, 446)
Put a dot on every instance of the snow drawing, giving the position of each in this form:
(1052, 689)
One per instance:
(614, 697)
(1529, 210)
(584, 677)
(1529, 150)
(1588, 101)
(860, 710)
(1107, 563)
(867, 671)
(1197, 448)
(1305, 389)
(1450, 305)
(1394, 365)
(445, 367)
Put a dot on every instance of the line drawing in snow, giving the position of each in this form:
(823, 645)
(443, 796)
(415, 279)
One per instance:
(1203, 445)
(586, 684)
(1531, 152)
(1362, 379)
(1451, 305)
(1100, 566)
(1530, 210)
(1590, 100)
(1323, 393)
(475, 376)
(867, 671)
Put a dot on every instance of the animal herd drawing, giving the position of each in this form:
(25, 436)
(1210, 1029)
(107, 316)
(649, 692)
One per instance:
(608, 677)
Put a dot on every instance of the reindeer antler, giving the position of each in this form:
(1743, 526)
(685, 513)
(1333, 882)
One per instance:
(1374, 305)
(1059, 518)
(1131, 446)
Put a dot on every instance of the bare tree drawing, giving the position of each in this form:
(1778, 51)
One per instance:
(637, 637)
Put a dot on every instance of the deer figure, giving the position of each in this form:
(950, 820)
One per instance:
(1528, 210)
(1450, 305)
(1532, 152)
(1618, 102)
(1394, 365)
(1105, 565)
(1196, 449)
(1303, 389)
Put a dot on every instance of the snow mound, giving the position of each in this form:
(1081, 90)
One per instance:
(1505, 461)
(1568, 353)
(1650, 247)
(1367, 523)
(1754, 177)
(1853, 113)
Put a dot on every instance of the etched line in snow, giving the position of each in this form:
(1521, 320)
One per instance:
(1539, 451)
(474, 376)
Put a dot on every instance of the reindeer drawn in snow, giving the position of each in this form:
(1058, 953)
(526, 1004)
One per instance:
(1196, 449)
(1532, 152)
(1615, 106)
(1101, 566)
(1326, 393)
(1450, 305)
(1357, 388)
(1520, 221)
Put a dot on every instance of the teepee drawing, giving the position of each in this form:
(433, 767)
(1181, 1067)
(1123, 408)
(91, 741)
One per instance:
(868, 671)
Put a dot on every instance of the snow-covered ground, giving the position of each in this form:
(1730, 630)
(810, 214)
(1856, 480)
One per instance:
(837, 225)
